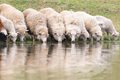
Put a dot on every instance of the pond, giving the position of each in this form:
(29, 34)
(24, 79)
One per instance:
(55, 61)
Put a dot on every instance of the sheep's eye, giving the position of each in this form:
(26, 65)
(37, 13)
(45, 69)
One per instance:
(71, 23)
(95, 33)
(40, 34)
(55, 33)
(100, 24)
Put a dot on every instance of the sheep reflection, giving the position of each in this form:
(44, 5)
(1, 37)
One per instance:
(37, 57)
(43, 60)
(56, 56)
(85, 58)
(13, 59)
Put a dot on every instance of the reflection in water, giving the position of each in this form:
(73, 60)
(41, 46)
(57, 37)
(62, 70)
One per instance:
(13, 56)
(85, 61)
(57, 61)
(12, 61)
(56, 56)
(37, 57)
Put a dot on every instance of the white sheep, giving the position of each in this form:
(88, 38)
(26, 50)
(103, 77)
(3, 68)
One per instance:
(55, 23)
(74, 25)
(37, 24)
(91, 25)
(16, 17)
(9, 27)
(107, 26)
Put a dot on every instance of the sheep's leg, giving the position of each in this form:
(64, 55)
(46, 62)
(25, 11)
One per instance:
(33, 39)
(91, 40)
(102, 39)
(85, 39)
(7, 39)
(109, 37)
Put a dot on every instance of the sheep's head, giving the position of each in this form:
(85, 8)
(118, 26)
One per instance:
(57, 27)
(59, 36)
(101, 24)
(96, 33)
(21, 30)
(13, 36)
(73, 32)
(42, 34)
(115, 35)
(72, 35)
(94, 29)
(84, 34)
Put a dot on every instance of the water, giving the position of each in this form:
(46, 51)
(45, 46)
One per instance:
(98, 61)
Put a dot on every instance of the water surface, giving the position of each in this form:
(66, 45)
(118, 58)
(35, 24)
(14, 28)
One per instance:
(83, 61)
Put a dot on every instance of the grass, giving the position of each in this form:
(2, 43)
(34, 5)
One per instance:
(108, 8)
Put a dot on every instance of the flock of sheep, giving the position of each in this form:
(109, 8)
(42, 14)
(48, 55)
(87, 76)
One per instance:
(49, 23)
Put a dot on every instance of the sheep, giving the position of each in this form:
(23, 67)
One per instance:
(54, 23)
(9, 27)
(56, 56)
(84, 33)
(71, 23)
(16, 17)
(40, 57)
(74, 25)
(107, 26)
(91, 25)
(3, 35)
(37, 23)
(4, 31)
